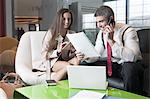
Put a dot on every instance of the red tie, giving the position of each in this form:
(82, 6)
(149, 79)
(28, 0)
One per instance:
(109, 63)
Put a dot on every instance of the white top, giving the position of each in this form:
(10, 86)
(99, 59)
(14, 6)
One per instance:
(53, 53)
(129, 52)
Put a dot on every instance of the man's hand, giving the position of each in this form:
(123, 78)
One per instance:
(80, 56)
(110, 30)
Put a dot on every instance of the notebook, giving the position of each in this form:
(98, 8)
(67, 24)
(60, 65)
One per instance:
(87, 94)
(87, 77)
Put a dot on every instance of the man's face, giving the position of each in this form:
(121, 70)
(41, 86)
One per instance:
(101, 22)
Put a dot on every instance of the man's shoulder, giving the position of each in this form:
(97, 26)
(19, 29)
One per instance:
(123, 27)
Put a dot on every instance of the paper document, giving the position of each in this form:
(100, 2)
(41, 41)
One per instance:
(82, 44)
(85, 94)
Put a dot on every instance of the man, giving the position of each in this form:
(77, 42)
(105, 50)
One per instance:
(124, 49)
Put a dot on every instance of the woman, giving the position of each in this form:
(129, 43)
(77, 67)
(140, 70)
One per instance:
(56, 47)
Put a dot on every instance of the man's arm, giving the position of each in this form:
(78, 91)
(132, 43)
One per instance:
(130, 51)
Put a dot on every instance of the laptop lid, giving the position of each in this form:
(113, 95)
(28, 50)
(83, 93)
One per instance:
(87, 77)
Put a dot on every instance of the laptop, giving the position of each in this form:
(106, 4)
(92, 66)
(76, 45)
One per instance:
(87, 77)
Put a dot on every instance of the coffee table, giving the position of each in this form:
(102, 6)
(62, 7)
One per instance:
(62, 91)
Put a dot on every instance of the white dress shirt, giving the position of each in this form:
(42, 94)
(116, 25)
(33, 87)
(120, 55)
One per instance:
(130, 51)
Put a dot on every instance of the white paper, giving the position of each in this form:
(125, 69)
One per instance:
(85, 94)
(82, 44)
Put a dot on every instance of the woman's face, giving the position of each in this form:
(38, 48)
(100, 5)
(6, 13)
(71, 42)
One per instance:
(66, 20)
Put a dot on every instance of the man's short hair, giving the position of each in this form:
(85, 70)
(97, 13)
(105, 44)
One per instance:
(105, 11)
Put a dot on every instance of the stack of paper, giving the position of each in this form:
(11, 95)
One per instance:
(85, 94)
(82, 44)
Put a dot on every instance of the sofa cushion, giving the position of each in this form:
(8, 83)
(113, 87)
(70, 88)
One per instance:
(144, 35)
(36, 47)
(2, 94)
(7, 43)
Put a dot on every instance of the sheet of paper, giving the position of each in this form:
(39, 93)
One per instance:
(85, 94)
(82, 44)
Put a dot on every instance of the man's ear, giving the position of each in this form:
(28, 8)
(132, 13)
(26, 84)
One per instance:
(110, 20)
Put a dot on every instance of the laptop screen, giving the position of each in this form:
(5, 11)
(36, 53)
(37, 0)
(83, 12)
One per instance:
(87, 77)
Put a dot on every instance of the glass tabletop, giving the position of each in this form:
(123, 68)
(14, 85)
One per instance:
(62, 91)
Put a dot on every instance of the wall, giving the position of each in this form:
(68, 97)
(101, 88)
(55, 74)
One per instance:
(47, 13)
(47, 9)
(80, 7)
(27, 7)
(77, 22)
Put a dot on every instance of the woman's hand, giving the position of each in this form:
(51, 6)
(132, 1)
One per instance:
(64, 45)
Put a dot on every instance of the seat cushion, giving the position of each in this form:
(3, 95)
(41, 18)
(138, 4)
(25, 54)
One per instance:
(116, 83)
(36, 44)
(36, 39)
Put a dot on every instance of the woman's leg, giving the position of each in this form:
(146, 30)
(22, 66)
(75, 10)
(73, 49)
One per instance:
(59, 65)
(60, 68)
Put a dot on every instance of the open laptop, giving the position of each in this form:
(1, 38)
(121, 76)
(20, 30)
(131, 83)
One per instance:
(87, 77)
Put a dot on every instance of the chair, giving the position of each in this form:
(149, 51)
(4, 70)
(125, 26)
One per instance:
(144, 36)
(8, 46)
(29, 51)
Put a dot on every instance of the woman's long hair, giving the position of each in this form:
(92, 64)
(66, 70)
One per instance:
(57, 27)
